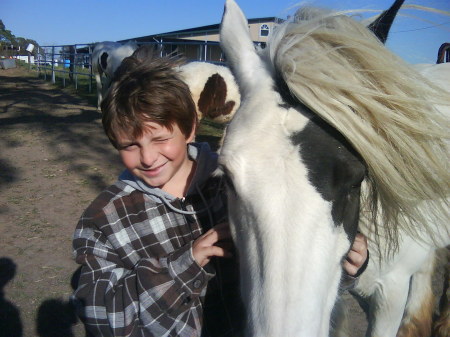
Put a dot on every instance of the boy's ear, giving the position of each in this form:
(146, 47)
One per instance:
(191, 137)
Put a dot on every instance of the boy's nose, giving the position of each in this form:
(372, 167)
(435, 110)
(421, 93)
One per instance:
(148, 156)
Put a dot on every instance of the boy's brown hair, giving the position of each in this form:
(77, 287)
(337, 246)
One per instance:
(147, 88)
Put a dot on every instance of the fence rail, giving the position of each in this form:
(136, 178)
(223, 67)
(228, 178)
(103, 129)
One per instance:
(70, 62)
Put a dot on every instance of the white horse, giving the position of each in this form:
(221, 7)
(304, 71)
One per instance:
(106, 58)
(333, 131)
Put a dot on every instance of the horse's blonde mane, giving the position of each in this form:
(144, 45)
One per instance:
(338, 68)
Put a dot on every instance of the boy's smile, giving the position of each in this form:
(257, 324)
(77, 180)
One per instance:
(153, 172)
(159, 157)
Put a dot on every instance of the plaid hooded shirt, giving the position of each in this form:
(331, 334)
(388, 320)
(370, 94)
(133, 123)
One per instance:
(139, 277)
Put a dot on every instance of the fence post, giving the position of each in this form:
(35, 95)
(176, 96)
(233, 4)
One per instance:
(200, 52)
(53, 64)
(45, 64)
(90, 68)
(71, 62)
(38, 57)
(75, 66)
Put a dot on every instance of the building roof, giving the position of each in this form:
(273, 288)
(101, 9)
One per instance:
(210, 29)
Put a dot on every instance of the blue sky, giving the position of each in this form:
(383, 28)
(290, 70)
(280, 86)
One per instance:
(52, 22)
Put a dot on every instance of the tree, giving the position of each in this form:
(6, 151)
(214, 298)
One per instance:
(23, 43)
(6, 37)
(10, 42)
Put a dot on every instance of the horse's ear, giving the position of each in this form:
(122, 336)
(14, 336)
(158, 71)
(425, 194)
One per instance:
(382, 24)
(235, 41)
(234, 33)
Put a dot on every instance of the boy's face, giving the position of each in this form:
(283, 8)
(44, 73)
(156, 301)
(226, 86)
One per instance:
(159, 157)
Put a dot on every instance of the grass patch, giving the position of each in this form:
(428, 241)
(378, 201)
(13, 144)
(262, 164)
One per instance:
(78, 85)
(16, 200)
(210, 132)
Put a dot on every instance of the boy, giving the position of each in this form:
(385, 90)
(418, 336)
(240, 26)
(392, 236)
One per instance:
(147, 242)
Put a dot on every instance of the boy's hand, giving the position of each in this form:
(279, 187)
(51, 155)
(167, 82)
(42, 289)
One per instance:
(215, 242)
(357, 256)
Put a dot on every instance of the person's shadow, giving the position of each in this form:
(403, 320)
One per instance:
(56, 317)
(10, 322)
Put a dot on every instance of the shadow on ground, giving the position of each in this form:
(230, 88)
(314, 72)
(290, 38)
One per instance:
(10, 321)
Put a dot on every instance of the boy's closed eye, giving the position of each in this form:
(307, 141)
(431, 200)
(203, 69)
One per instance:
(161, 140)
(127, 146)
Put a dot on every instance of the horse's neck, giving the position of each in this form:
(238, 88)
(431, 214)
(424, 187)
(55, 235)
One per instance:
(437, 74)
(421, 236)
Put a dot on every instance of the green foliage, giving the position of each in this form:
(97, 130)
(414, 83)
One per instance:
(6, 37)
(19, 44)
(23, 44)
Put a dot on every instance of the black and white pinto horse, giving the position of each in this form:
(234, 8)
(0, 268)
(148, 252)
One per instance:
(334, 134)
(212, 86)
(106, 58)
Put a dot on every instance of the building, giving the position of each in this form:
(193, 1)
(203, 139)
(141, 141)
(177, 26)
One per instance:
(202, 43)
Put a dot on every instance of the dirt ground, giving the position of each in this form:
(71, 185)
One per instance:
(54, 159)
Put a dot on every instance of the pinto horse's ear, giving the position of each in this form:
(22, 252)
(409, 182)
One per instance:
(234, 34)
(382, 24)
(234, 24)
(246, 65)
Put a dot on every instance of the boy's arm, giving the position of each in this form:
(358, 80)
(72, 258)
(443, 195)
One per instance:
(118, 298)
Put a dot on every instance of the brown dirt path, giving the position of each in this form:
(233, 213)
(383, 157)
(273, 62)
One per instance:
(54, 159)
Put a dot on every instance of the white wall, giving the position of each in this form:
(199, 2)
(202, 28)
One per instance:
(25, 58)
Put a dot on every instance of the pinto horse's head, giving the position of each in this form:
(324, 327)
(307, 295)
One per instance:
(294, 190)
(323, 107)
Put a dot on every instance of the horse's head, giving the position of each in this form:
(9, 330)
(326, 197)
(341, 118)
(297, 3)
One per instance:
(324, 106)
(116, 55)
(294, 189)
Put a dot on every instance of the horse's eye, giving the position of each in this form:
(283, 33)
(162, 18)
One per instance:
(359, 181)
(229, 184)
(226, 178)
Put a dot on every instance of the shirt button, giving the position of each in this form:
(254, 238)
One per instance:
(197, 284)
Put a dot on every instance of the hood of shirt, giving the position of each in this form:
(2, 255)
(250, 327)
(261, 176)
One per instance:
(206, 163)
